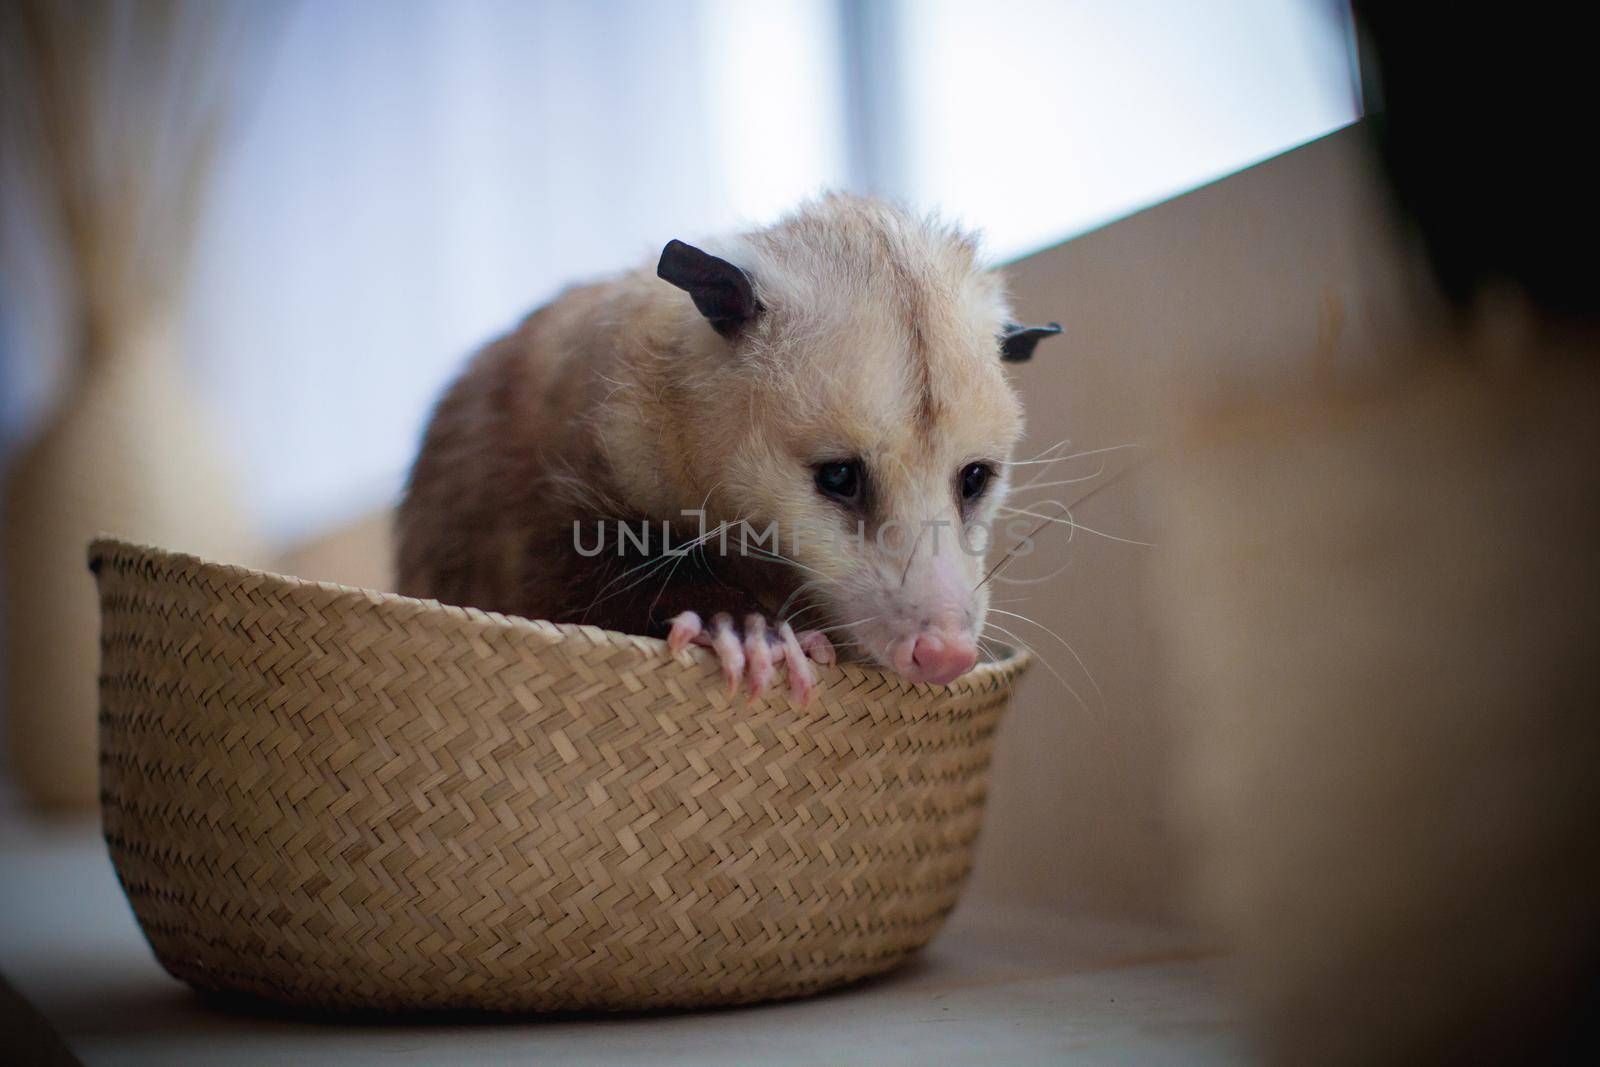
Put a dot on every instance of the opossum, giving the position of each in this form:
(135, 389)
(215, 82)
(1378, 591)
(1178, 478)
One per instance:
(828, 388)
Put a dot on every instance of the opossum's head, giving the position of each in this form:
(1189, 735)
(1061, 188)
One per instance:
(848, 393)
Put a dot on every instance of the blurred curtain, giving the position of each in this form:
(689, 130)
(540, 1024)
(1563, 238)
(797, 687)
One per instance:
(113, 114)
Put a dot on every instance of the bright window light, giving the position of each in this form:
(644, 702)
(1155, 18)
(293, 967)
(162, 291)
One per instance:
(776, 111)
(1038, 120)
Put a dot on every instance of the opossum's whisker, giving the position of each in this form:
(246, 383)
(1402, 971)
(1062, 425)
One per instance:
(803, 587)
(655, 565)
(705, 500)
(1068, 520)
(814, 623)
(651, 566)
(1072, 533)
(1042, 460)
(1016, 642)
(651, 562)
(840, 626)
(1012, 554)
(1039, 456)
(784, 607)
(699, 546)
(1036, 462)
(1020, 643)
(1034, 483)
(805, 609)
(657, 559)
(846, 625)
(1076, 455)
(665, 582)
(775, 557)
(1066, 512)
(1063, 641)
(1044, 468)
(677, 558)
(1041, 580)
(910, 557)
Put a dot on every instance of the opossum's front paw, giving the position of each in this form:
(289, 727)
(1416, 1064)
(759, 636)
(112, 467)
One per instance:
(751, 651)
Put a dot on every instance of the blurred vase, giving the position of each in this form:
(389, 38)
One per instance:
(129, 451)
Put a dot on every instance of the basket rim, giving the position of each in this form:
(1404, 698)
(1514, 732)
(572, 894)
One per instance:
(985, 675)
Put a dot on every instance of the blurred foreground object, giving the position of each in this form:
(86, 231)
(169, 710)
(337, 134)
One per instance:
(1480, 113)
(1380, 602)
(113, 112)
(1383, 613)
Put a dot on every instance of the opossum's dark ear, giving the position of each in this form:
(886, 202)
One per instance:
(1016, 342)
(721, 291)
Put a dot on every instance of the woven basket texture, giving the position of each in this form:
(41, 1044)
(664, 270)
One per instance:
(354, 800)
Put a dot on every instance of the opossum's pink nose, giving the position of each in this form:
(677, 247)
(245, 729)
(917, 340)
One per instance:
(934, 656)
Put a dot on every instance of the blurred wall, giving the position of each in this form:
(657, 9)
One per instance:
(1288, 276)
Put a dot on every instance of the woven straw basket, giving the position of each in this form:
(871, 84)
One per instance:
(349, 799)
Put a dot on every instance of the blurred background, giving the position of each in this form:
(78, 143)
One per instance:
(391, 184)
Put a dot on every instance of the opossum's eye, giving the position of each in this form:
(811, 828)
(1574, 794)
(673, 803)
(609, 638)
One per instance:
(974, 480)
(840, 479)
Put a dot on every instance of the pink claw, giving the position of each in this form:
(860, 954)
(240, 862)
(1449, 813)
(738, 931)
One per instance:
(758, 654)
(685, 628)
(751, 658)
(801, 680)
(817, 646)
(725, 642)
